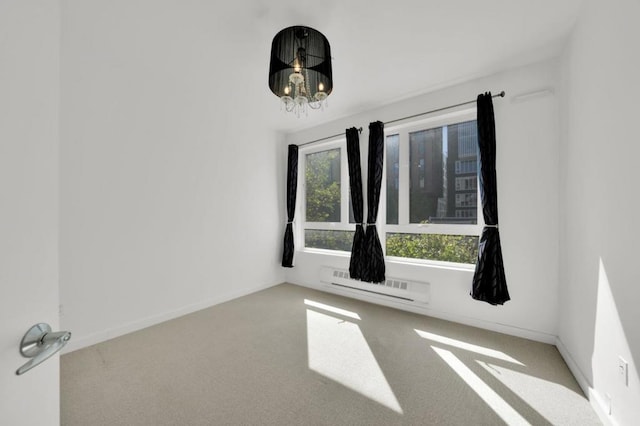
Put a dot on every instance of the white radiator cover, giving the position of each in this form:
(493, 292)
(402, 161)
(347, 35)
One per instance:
(397, 289)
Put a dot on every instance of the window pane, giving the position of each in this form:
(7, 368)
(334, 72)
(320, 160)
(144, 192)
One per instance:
(331, 240)
(447, 248)
(427, 195)
(393, 178)
(323, 186)
(443, 174)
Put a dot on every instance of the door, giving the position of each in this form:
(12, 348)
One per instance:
(29, 99)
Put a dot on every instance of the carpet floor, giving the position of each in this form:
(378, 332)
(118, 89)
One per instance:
(290, 355)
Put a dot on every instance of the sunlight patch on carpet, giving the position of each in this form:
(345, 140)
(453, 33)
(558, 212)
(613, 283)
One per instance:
(332, 309)
(338, 350)
(542, 395)
(467, 346)
(488, 395)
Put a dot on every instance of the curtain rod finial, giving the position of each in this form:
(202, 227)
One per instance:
(502, 94)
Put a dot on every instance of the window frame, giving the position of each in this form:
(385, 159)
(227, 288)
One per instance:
(344, 224)
(404, 227)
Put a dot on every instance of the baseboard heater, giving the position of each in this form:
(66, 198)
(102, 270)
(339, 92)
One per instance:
(398, 289)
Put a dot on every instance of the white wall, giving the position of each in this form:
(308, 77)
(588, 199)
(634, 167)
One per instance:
(29, 107)
(528, 197)
(168, 196)
(600, 319)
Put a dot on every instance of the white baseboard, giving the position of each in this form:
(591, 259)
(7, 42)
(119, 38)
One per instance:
(511, 330)
(599, 406)
(538, 336)
(573, 366)
(83, 341)
(597, 403)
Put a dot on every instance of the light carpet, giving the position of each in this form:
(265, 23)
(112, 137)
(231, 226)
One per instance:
(290, 355)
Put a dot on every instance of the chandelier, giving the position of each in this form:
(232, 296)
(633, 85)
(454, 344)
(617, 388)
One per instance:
(300, 69)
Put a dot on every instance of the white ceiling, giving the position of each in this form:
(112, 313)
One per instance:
(386, 50)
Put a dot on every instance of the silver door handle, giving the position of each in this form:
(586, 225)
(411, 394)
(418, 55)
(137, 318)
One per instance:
(39, 343)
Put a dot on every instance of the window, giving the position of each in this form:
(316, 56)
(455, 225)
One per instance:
(429, 206)
(326, 205)
(322, 180)
(466, 200)
(432, 191)
(466, 166)
(467, 183)
(467, 140)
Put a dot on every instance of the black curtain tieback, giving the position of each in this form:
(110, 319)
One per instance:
(491, 226)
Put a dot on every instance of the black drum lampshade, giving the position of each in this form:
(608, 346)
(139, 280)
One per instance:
(300, 69)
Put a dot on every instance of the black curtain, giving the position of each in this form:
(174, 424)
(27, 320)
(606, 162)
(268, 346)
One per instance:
(374, 267)
(292, 186)
(489, 282)
(356, 264)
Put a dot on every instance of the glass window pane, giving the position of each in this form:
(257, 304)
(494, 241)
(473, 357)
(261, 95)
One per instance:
(330, 240)
(447, 248)
(393, 178)
(463, 191)
(443, 174)
(427, 177)
(323, 186)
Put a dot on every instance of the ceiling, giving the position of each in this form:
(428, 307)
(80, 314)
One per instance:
(384, 51)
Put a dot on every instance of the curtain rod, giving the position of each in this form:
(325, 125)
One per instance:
(501, 95)
(328, 137)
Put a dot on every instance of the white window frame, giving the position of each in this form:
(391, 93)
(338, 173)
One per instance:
(403, 226)
(301, 207)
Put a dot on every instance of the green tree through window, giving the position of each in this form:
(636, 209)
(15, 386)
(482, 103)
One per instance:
(323, 186)
(447, 248)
